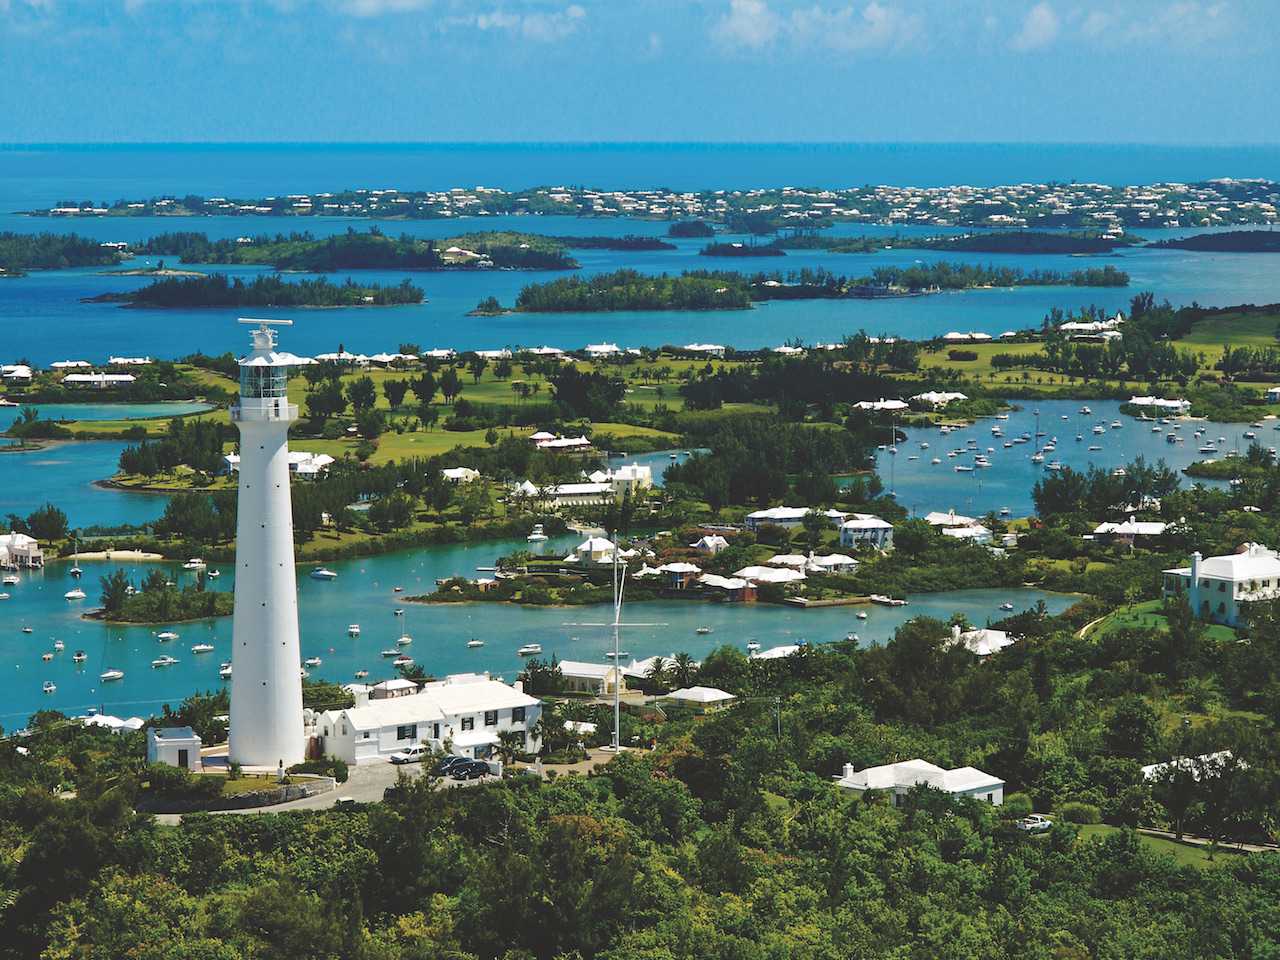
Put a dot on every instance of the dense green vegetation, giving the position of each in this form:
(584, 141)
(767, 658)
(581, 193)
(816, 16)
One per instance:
(20, 252)
(734, 249)
(371, 250)
(630, 242)
(1230, 241)
(156, 600)
(1022, 241)
(631, 290)
(690, 228)
(218, 290)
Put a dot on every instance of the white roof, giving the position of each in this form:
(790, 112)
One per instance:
(908, 773)
(459, 473)
(474, 694)
(981, 642)
(701, 695)
(103, 378)
(1193, 765)
(592, 671)
(542, 435)
(832, 560)
(865, 521)
(769, 574)
(594, 544)
(1133, 528)
(1255, 562)
(397, 684)
(939, 398)
(776, 653)
(1159, 402)
(936, 518)
(280, 358)
(793, 513)
(722, 583)
(881, 404)
(711, 541)
(973, 531)
(394, 711)
(679, 567)
(68, 364)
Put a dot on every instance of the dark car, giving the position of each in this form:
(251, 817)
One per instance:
(447, 764)
(471, 770)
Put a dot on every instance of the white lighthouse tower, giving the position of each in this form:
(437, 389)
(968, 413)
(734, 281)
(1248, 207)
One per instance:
(266, 691)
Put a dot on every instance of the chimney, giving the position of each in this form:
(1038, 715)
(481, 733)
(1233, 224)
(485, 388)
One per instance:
(518, 686)
(848, 771)
(955, 632)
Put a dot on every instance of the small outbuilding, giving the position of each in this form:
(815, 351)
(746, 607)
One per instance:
(174, 747)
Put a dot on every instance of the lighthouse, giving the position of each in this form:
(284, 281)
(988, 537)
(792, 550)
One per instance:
(266, 683)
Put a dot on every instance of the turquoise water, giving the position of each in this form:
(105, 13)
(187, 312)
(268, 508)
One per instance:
(63, 474)
(103, 411)
(363, 594)
(922, 486)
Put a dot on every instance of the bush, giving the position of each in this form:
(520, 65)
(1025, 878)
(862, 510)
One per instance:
(175, 785)
(325, 767)
(960, 355)
(1016, 806)
(1075, 812)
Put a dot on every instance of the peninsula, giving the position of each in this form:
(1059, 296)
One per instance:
(1232, 241)
(217, 290)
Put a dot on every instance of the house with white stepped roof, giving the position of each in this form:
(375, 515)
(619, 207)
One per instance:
(1220, 588)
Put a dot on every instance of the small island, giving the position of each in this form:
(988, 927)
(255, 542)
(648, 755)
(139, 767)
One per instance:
(22, 252)
(1011, 242)
(217, 290)
(736, 249)
(630, 290)
(687, 229)
(158, 600)
(630, 243)
(1231, 241)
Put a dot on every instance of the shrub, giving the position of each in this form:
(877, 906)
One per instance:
(960, 355)
(1075, 812)
(324, 767)
(1016, 806)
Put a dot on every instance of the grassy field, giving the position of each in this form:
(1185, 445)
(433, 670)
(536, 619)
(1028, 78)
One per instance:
(1148, 615)
(1236, 329)
(1186, 854)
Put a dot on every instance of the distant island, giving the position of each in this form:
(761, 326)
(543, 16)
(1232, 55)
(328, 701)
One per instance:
(368, 250)
(1233, 241)
(22, 252)
(630, 243)
(1014, 242)
(217, 290)
(1050, 205)
(723, 290)
(742, 250)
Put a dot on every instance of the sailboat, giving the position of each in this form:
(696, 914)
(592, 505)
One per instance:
(75, 570)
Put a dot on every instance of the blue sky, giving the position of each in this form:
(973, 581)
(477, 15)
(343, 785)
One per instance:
(1166, 71)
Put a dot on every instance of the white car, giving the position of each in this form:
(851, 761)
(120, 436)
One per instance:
(1035, 823)
(414, 754)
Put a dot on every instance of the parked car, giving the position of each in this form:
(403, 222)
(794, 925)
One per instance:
(1035, 823)
(415, 754)
(448, 763)
(471, 770)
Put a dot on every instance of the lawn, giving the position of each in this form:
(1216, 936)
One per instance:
(1186, 854)
(1148, 615)
(1238, 330)
(248, 783)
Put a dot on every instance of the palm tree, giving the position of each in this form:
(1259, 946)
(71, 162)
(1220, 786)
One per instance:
(658, 674)
(510, 745)
(685, 670)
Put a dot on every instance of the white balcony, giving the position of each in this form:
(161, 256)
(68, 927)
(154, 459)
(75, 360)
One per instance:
(264, 409)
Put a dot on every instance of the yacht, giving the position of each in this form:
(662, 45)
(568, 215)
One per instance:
(404, 660)
(1005, 511)
(224, 671)
(165, 661)
(702, 631)
(392, 652)
(113, 674)
(10, 579)
(27, 630)
(936, 460)
(530, 649)
(202, 648)
(361, 674)
(79, 656)
(1155, 428)
(1085, 411)
(1250, 435)
(475, 642)
(311, 662)
(1099, 429)
(59, 645)
(323, 573)
(76, 594)
(884, 601)
(1119, 472)
(753, 645)
(353, 630)
(1208, 448)
(924, 444)
(49, 687)
(1055, 465)
(1006, 606)
(1093, 448)
(404, 640)
(397, 589)
(861, 614)
(1037, 458)
(963, 468)
(46, 656)
(75, 571)
(166, 635)
(214, 574)
(1116, 424)
(4, 596)
(195, 563)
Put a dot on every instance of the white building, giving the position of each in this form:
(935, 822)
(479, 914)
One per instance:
(1161, 406)
(546, 441)
(627, 479)
(69, 364)
(174, 747)
(1128, 531)
(974, 533)
(865, 529)
(464, 712)
(757, 574)
(15, 372)
(899, 778)
(882, 405)
(981, 642)
(1218, 588)
(699, 699)
(710, 544)
(98, 381)
(301, 463)
(1273, 394)
(19, 551)
(788, 517)
(266, 689)
(705, 349)
(593, 550)
(936, 518)
(598, 679)
(129, 361)
(460, 474)
(937, 399)
(597, 351)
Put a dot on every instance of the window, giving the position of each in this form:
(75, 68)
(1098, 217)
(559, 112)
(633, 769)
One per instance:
(435, 731)
(517, 714)
(344, 729)
(366, 734)
(491, 718)
(991, 798)
(408, 731)
(468, 723)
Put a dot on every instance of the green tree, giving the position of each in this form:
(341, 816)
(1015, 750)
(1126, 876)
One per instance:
(362, 393)
(394, 391)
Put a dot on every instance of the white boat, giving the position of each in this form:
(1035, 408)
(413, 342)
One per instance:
(1006, 605)
(59, 645)
(76, 594)
(392, 652)
(936, 460)
(79, 656)
(530, 649)
(10, 579)
(323, 573)
(404, 640)
(884, 601)
(1155, 428)
(75, 571)
(27, 630)
(214, 574)
(1037, 458)
(1099, 429)
(46, 656)
(1116, 424)
(1208, 448)
(536, 535)
(113, 674)
(195, 563)
(1119, 472)
(202, 648)
(1005, 511)
(311, 662)
(397, 589)
(4, 596)
(1094, 447)
(165, 661)
(861, 614)
(166, 635)
(361, 674)
(224, 671)
(1086, 411)
(753, 645)
(403, 660)
(353, 630)
(702, 631)
(961, 468)
(617, 656)
(473, 643)
(49, 687)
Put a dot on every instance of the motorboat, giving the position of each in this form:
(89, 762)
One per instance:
(109, 675)
(202, 648)
(536, 535)
(361, 674)
(75, 571)
(753, 645)
(166, 635)
(1119, 472)
(59, 645)
(1055, 465)
(1171, 438)
(46, 656)
(404, 640)
(214, 574)
(1037, 458)
(963, 468)
(224, 671)
(610, 655)
(1006, 605)
(195, 563)
(397, 589)
(702, 631)
(1005, 511)
(4, 596)
(1079, 437)
(323, 573)
(76, 594)
(1085, 411)
(1099, 429)
(353, 630)
(10, 579)
(1155, 428)
(936, 460)
(1208, 448)
(165, 661)
(398, 611)
(404, 660)
(312, 662)
(474, 642)
(885, 601)
(1094, 448)
(27, 630)
(49, 687)
(390, 652)
(530, 649)
(1116, 424)
(79, 657)
(861, 614)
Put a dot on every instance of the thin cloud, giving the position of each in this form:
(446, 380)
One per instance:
(1039, 29)
(848, 29)
(749, 23)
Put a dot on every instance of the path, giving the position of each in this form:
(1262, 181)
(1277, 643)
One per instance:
(1205, 842)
